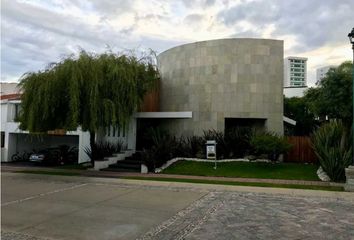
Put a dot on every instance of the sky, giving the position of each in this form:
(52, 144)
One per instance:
(35, 33)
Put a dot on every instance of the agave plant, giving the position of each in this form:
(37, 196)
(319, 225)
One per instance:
(331, 145)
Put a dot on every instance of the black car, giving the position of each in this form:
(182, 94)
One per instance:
(50, 156)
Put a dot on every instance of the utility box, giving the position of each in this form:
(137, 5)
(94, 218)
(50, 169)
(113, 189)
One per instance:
(211, 149)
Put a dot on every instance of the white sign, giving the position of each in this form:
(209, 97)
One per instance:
(210, 149)
(211, 153)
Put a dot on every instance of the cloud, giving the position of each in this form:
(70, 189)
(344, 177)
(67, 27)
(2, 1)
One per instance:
(256, 12)
(314, 23)
(201, 3)
(193, 18)
(35, 33)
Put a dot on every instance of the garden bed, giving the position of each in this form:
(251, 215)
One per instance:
(288, 171)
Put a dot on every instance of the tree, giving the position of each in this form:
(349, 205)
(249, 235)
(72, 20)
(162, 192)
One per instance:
(89, 91)
(333, 97)
(297, 109)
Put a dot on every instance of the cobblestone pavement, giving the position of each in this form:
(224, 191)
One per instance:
(225, 215)
(218, 214)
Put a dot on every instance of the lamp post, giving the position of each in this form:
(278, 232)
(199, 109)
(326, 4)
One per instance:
(351, 39)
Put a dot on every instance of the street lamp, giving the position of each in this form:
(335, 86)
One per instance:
(351, 39)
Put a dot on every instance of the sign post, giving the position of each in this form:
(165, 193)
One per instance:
(211, 151)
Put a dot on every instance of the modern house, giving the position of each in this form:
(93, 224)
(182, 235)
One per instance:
(223, 83)
(215, 84)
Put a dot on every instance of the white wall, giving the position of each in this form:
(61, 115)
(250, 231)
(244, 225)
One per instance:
(3, 114)
(84, 142)
(294, 91)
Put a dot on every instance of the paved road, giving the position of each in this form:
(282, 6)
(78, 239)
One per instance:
(53, 207)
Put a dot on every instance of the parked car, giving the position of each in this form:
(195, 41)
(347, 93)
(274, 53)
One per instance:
(49, 156)
(68, 155)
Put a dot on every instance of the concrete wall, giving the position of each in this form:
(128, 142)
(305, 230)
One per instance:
(295, 91)
(218, 79)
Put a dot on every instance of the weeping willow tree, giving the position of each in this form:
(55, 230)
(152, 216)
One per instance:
(89, 91)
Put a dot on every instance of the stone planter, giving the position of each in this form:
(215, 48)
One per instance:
(144, 168)
(349, 173)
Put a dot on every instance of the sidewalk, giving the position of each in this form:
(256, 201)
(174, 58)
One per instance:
(106, 174)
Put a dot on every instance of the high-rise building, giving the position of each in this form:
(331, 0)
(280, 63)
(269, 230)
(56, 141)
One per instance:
(321, 73)
(295, 72)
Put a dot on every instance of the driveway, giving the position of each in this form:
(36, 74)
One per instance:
(58, 207)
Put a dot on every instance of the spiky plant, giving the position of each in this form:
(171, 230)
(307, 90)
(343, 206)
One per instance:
(331, 145)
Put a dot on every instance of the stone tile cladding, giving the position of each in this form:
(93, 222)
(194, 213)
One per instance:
(218, 79)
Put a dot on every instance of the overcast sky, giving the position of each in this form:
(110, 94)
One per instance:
(37, 32)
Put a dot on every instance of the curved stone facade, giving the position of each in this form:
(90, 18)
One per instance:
(223, 79)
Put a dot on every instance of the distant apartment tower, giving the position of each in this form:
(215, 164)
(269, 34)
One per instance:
(321, 73)
(295, 72)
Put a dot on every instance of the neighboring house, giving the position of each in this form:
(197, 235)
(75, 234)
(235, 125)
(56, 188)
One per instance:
(217, 84)
(8, 88)
(14, 140)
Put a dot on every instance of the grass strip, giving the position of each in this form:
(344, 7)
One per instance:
(287, 171)
(232, 183)
(61, 173)
(201, 181)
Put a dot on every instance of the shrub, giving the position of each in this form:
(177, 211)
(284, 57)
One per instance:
(237, 141)
(193, 146)
(102, 150)
(270, 144)
(163, 148)
(332, 147)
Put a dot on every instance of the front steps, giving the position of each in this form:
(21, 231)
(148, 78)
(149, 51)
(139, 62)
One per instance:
(132, 163)
(112, 160)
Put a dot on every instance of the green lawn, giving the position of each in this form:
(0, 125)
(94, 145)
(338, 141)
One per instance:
(290, 171)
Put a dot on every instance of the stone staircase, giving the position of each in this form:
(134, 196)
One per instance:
(129, 164)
